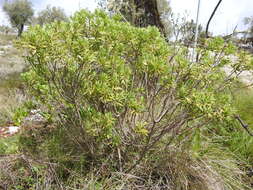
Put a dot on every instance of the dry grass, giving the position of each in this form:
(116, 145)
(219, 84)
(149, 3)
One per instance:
(10, 100)
(6, 39)
(11, 65)
(10, 59)
(177, 170)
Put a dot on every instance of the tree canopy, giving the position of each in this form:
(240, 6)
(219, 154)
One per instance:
(51, 14)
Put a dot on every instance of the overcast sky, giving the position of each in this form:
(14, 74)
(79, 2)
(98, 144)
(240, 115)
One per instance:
(229, 14)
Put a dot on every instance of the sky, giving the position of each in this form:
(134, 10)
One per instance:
(229, 14)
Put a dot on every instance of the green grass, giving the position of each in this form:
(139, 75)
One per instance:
(11, 97)
(244, 103)
(240, 141)
(9, 145)
(233, 136)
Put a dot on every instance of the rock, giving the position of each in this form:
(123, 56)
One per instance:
(34, 117)
(8, 46)
(13, 129)
(246, 77)
(7, 131)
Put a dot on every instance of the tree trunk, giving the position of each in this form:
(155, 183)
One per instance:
(150, 16)
(20, 30)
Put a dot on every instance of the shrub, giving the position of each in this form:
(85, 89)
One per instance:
(119, 94)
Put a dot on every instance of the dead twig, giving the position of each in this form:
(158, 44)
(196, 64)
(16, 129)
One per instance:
(245, 126)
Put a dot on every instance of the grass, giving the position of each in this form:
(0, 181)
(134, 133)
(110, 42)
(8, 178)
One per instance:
(11, 97)
(244, 103)
(10, 100)
(234, 138)
(240, 141)
(11, 65)
(11, 62)
(12, 81)
(6, 39)
(172, 170)
(9, 145)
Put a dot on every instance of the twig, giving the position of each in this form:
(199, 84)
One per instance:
(245, 126)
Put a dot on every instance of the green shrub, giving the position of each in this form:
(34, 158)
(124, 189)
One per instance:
(118, 94)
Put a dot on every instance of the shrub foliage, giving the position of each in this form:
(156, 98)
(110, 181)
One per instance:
(120, 94)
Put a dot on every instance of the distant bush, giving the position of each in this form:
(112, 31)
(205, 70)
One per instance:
(51, 14)
(119, 95)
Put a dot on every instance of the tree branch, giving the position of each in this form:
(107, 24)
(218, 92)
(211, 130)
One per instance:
(211, 17)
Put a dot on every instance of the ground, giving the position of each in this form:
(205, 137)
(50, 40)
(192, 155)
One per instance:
(11, 65)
